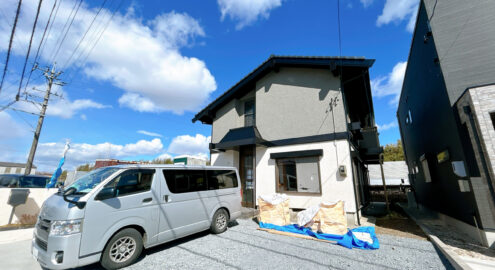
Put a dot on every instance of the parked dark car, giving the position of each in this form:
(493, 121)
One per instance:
(23, 181)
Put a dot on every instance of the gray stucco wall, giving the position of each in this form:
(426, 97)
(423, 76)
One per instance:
(226, 118)
(464, 34)
(291, 103)
(294, 102)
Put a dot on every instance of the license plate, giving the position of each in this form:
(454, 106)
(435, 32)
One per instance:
(35, 253)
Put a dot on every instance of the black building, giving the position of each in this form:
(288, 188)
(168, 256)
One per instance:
(446, 113)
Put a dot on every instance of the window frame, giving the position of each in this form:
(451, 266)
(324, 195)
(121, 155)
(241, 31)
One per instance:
(277, 179)
(250, 115)
(425, 167)
(206, 179)
(116, 195)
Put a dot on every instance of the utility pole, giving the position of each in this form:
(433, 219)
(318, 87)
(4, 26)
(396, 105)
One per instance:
(52, 78)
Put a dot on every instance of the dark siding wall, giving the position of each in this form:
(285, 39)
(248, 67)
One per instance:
(433, 129)
(465, 36)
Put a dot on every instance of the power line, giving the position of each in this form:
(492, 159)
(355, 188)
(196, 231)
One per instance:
(51, 26)
(96, 42)
(39, 46)
(66, 32)
(29, 49)
(10, 43)
(85, 33)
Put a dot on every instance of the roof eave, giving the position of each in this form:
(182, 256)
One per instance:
(271, 63)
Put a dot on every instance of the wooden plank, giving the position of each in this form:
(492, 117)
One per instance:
(296, 235)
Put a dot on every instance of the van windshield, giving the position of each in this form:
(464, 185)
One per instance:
(90, 180)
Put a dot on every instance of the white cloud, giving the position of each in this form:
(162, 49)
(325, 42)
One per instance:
(386, 126)
(397, 11)
(177, 28)
(48, 154)
(65, 108)
(84, 117)
(189, 145)
(390, 85)
(10, 128)
(164, 156)
(142, 58)
(246, 12)
(60, 106)
(366, 3)
(148, 133)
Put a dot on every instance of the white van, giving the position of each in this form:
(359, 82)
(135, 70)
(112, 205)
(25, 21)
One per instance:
(111, 213)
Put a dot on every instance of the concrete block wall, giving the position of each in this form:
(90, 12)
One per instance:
(26, 213)
(481, 100)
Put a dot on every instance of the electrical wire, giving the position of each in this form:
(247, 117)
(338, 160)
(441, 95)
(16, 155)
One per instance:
(97, 40)
(50, 27)
(65, 35)
(63, 28)
(39, 46)
(85, 33)
(29, 49)
(10, 43)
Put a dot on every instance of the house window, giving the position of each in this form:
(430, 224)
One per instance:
(426, 169)
(492, 116)
(298, 175)
(409, 117)
(249, 113)
(18, 170)
(7, 170)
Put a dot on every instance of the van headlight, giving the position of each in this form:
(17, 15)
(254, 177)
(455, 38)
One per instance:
(65, 227)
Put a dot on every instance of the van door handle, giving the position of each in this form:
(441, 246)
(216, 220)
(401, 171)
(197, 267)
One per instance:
(166, 198)
(147, 200)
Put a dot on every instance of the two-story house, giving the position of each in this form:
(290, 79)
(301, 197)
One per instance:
(303, 126)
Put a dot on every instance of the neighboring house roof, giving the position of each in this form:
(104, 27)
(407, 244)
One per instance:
(14, 165)
(394, 171)
(274, 62)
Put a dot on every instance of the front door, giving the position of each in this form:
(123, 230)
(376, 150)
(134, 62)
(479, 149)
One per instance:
(247, 173)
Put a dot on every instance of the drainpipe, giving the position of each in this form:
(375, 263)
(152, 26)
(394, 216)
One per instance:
(383, 181)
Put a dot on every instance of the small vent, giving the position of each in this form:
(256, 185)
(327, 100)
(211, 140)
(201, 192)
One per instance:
(42, 244)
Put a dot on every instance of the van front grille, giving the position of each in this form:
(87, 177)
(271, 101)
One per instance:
(42, 244)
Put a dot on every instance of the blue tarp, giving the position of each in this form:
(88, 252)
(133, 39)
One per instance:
(347, 240)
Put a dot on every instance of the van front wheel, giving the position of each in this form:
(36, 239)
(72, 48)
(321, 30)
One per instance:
(220, 221)
(122, 250)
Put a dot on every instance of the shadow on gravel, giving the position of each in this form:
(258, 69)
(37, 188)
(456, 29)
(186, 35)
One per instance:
(168, 245)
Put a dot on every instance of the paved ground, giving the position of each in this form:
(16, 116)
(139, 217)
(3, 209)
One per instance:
(244, 247)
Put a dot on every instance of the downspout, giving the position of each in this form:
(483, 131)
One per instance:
(349, 145)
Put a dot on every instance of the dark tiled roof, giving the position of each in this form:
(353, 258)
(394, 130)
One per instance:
(276, 61)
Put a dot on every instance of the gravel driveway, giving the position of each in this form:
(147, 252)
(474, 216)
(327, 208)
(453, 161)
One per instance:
(244, 247)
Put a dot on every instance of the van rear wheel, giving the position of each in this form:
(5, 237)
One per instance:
(220, 221)
(122, 250)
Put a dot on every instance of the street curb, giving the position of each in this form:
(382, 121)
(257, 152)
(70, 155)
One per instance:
(453, 258)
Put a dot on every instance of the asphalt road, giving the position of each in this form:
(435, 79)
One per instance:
(244, 247)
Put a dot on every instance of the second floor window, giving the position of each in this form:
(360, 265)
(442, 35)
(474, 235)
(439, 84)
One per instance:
(249, 113)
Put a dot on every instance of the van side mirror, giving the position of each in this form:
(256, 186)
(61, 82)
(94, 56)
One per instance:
(105, 193)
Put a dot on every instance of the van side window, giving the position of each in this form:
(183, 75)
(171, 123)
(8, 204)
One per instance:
(181, 181)
(132, 181)
(220, 179)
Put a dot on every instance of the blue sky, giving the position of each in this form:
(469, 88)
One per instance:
(159, 62)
